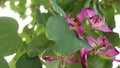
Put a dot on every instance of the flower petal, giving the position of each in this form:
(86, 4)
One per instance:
(97, 23)
(116, 60)
(69, 20)
(84, 52)
(72, 55)
(48, 58)
(104, 40)
(71, 62)
(80, 30)
(112, 52)
(81, 16)
(90, 12)
(75, 25)
(86, 12)
(91, 41)
(84, 63)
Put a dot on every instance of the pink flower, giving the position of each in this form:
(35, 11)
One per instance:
(95, 20)
(100, 42)
(65, 59)
(101, 47)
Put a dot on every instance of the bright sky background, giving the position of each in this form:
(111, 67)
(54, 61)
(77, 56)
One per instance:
(23, 22)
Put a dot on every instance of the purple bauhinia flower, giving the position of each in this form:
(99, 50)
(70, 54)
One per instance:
(101, 47)
(100, 42)
(95, 20)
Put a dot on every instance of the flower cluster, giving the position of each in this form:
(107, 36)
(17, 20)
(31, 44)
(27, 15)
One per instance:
(101, 45)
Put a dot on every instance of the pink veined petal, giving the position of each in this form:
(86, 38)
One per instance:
(104, 40)
(48, 58)
(86, 12)
(91, 41)
(96, 20)
(84, 51)
(90, 12)
(81, 16)
(97, 23)
(112, 52)
(104, 29)
(71, 62)
(100, 40)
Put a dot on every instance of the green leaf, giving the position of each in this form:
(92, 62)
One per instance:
(113, 38)
(12, 5)
(109, 16)
(37, 2)
(87, 4)
(2, 5)
(53, 64)
(10, 42)
(76, 65)
(94, 62)
(8, 26)
(58, 30)
(116, 6)
(38, 45)
(3, 63)
(14, 60)
(25, 62)
(98, 62)
(57, 8)
(40, 17)
(108, 63)
(12, 63)
(74, 9)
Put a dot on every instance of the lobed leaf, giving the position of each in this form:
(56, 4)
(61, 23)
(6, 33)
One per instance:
(25, 62)
(10, 42)
(65, 39)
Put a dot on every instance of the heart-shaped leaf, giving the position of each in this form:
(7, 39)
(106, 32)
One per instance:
(26, 62)
(66, 39)
(10, 42)
(38, 45)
